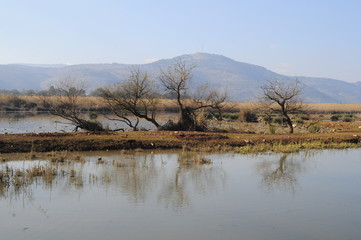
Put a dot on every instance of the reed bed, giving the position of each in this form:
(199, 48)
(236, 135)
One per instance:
(333, 108)
(15, 180)
(313, 108)
(170, 104)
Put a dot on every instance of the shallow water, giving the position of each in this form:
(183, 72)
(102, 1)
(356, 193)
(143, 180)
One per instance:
(30, 123)
(167, 195)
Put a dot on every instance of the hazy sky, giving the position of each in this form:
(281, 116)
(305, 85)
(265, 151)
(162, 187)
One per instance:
(320, 38)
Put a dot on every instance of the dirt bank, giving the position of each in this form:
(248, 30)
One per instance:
(46, 142)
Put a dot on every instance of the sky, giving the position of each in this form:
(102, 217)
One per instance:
(315, 38)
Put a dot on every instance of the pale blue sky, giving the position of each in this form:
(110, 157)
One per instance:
(320, 38)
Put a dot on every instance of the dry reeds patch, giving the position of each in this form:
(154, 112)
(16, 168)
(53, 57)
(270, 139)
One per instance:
(333, 108)
(311, 107)
(171, 104)
(17, 179)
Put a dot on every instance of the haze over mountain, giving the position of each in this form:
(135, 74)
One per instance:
(241, 80)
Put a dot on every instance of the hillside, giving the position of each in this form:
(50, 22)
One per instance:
(241, 80)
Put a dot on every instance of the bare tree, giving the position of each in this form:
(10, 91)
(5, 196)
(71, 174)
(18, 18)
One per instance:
(135, 97)
(66, 105)
(177, 82)
(283, 98)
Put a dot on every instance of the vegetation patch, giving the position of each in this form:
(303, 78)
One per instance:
(201, 137)
(210, 142)
(294, 147)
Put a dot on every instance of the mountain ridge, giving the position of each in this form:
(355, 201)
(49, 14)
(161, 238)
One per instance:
(241, 80)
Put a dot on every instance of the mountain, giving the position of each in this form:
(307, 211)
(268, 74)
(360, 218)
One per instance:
(22, 77)
(241, 80)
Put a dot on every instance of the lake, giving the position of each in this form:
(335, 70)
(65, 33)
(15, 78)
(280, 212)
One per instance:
(182, 195)
(23, 122)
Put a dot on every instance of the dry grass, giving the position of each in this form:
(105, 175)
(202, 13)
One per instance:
(310, 107)
(336, 132)
(171, 105)
(20, 178)
(82, 102)
(333, 108)
(16, 180)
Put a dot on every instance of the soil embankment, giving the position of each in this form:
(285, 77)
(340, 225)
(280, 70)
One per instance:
(46, 142)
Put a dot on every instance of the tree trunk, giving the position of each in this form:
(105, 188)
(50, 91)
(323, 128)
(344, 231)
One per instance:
(289, 122)
(187, 121)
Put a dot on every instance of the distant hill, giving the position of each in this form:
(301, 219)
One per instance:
(241, 80)
(22, 77)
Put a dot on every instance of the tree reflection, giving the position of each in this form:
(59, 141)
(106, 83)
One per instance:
(137, 176)
(281, 174)
(134, 175)
(194, 172)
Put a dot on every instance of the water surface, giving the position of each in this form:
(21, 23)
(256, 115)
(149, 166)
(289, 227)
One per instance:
(170, 195)
(23, 122)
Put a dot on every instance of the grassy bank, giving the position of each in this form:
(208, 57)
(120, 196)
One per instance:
(237, 142)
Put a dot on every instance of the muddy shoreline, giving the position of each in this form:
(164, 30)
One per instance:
(47, 142)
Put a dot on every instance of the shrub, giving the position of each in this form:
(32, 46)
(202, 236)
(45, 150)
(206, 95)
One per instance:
(314, 128)
(179, 126)
(335, 118)
(30, 105)
(278, 120)
(16, 102)
(268, 119)
(247, 115)
(303, 117)
(272, 129)
(230, 116)
(348, 117)
(300, 121)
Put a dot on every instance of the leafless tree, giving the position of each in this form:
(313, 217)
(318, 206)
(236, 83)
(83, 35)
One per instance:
(177, 82)
(283, 98)
(67, 106)
(135, 97)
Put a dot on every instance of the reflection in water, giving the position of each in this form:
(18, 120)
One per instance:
(194, 170)
(21, 178)
(168, 195)
(281, 174)
(29, 123)
(136, 176)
